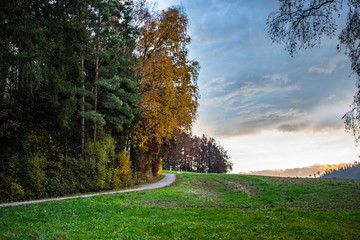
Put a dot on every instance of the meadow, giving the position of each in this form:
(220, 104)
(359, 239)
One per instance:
(199, 206)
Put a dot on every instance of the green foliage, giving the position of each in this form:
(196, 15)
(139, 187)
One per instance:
(99, 155)
(115, 93)
(45, 92)
(95, 117)
(23, 178)
(11, 190)
(35, 175)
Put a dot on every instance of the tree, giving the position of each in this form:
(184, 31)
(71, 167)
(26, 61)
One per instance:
(108, 89)
(300, 24)
(39, 80)
(115, 95)
(191, 153)
(142, 12)
(168, 83)
(39, 46)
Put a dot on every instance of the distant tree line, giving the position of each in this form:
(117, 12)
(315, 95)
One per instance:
(92, 94)
(346, 171)
(196, 154)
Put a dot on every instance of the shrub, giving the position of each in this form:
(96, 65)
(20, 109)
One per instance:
(16, 192)
(35, 176)
(123, 176)
(31, 173)
(99, 155)
(145, 176)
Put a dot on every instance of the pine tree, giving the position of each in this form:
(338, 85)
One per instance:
(114, 88)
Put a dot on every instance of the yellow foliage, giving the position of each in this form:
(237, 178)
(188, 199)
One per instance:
(124, 163)
(43, 143)
(15, 190)
(168, 84)
(160, 169)
(122, 172)
(168, 79)
(14, 126)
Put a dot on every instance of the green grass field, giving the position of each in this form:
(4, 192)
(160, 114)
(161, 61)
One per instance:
(199, 206)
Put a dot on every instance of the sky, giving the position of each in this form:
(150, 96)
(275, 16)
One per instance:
(268, 109)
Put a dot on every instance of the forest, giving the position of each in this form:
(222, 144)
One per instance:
(350, 171)
(185, 152)
(96, 95)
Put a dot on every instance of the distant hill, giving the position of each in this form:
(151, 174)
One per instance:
(351, 172)
(301, 172)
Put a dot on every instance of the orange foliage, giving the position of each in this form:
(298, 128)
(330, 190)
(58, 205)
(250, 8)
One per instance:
(168, 82)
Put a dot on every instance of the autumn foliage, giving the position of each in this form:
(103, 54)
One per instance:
(167, 84)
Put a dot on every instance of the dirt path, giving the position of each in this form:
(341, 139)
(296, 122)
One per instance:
(167, 180)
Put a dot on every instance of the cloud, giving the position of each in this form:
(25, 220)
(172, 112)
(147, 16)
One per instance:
(331, 97)
(219, 84)
(292, 127)
(249, 85)
(279, 104)
(261, 119)
(248, 88)
(332, 65)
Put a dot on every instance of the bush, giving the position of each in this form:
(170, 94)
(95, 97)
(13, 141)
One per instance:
(74, 175)
(31, 174)
(35, 176)
(123, 176)
(23, 176)
(98, 156)
(11, 191)
(145, 176)
(16, 192)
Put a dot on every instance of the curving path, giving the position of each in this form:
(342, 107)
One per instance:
(166, 181)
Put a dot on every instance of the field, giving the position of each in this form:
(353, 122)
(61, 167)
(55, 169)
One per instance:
(199, 206)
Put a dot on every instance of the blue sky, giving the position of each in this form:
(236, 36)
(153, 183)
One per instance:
(268, 109)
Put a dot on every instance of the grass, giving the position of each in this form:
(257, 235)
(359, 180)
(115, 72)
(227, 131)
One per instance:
(199, 206)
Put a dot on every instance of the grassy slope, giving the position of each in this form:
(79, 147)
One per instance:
(200, 206)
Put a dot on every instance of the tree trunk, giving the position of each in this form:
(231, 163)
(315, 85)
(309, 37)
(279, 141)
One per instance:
(96, 72)
(95, 88)
(82, 103)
